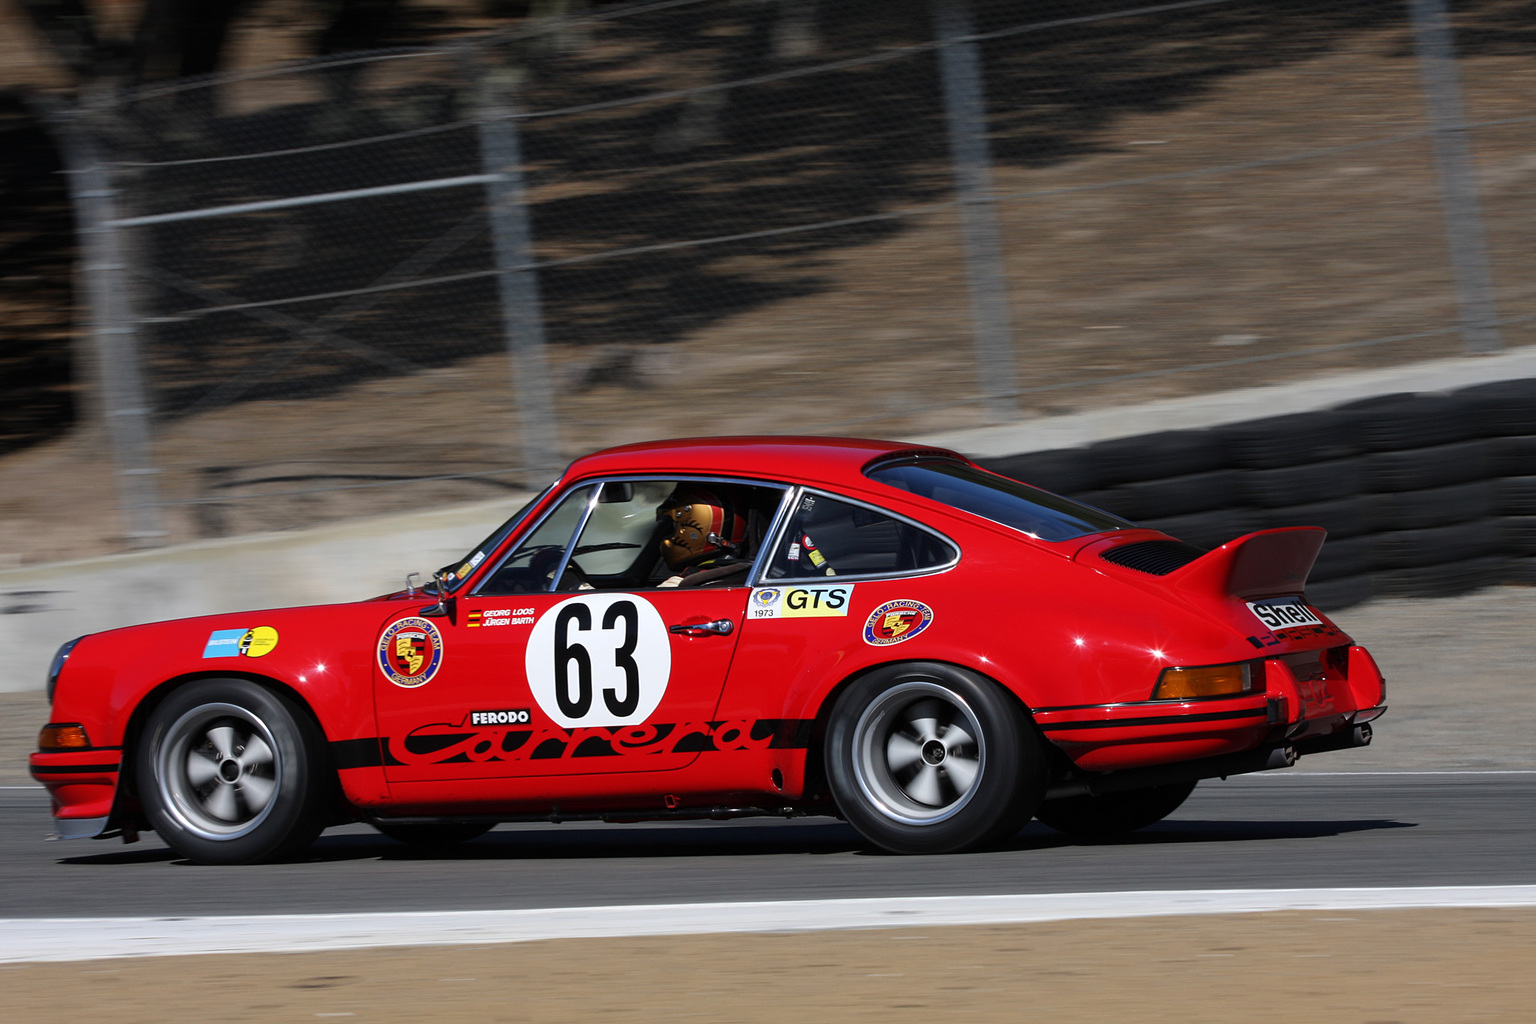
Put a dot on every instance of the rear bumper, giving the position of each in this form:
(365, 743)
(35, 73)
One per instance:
(82, 785)
(1303, 712)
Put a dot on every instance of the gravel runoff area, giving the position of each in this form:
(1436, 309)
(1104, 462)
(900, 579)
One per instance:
(1459, 688)
(1382, 966)
(1460, 701)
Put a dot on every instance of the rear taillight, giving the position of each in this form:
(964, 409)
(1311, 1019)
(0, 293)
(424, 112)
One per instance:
(1209, 681)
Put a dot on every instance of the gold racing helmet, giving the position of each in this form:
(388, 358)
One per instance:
(703, 525)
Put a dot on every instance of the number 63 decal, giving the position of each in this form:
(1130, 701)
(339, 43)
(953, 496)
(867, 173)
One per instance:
(599, 659)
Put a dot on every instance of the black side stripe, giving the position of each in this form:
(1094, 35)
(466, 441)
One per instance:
(359, 753)
(76, 769)
(1120, 723)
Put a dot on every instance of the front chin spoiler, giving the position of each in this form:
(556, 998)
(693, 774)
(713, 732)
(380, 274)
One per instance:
(78, 828)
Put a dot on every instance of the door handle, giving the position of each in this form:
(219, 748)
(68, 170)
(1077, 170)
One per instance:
(720, 627)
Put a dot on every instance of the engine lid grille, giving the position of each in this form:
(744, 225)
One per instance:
(1154, 557)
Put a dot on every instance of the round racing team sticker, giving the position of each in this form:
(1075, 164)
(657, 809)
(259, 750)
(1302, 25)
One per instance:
(896, 621)
(411, 652)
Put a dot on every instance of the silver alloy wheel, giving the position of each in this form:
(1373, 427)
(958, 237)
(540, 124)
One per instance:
(918, 753)
(218, 771)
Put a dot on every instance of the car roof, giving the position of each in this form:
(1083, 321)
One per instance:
(792, 458)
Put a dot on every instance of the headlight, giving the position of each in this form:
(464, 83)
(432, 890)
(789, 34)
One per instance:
(1209, 681)
(57, 665)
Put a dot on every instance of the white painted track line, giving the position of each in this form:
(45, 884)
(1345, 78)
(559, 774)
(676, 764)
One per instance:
(63, 939)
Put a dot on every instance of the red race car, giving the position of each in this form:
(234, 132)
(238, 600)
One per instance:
(723, 627)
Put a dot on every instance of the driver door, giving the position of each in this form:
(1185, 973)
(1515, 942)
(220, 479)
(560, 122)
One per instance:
(601, 673)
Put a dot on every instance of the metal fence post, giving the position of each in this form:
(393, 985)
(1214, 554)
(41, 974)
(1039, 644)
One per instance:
(965, 112)
(522, 314)
(1458, 184)
(119, 377)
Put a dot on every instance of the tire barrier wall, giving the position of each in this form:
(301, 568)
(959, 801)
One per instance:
(1422, 494)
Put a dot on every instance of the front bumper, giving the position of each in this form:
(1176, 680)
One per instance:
(1291, 710)
(82, 785)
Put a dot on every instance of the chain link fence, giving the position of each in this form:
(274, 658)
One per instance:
(399, 279)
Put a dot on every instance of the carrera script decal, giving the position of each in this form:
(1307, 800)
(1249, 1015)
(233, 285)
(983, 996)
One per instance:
(469, 743)
(599, 660)
(813, 601)
(896, 622)
(255, 642)
(410, 652)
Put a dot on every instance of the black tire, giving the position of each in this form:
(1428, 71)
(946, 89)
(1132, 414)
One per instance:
(1515, 495)
(1390, 423)
(1295, 439)
(434, 835)
(1208, 529)
(1520, 536)
(1502, 407)
(977, 766)
(1341, 558)
(1302, 485)
(1439, 545)
(1332, 595)
(1511, 456)
(1342, 518)
(1443, 580)
(1168, 453)
(1180, 495)
(1422, 468)
(1438, 506)
(230, 772)
(1103, 817)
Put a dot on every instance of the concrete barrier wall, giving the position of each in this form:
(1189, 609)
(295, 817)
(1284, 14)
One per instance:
(43, 606)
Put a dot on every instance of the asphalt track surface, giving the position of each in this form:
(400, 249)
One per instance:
(1280, 830)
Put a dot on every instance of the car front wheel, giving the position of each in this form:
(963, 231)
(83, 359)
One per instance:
(230, 772)
(929, 758)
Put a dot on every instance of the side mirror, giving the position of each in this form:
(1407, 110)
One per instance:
(445, 603)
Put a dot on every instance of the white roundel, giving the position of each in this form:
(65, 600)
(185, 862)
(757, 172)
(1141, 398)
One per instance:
(599, 659)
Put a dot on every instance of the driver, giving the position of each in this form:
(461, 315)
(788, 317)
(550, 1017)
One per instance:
(704, 542)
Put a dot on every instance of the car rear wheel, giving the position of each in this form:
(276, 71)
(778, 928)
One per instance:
(1102, 817)
(230, 772)
(929, 758)
(436, 835)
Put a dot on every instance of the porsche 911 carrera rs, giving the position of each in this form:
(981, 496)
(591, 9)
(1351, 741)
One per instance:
(713, 628)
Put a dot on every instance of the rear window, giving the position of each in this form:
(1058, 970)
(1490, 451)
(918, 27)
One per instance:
(1027, 509)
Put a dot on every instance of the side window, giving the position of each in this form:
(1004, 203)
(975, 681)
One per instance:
(828, 537)
(532, 566)
(670, 533)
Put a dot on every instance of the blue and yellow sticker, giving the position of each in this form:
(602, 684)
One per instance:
(252, 642)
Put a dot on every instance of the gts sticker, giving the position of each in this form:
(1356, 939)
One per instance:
(814, 601)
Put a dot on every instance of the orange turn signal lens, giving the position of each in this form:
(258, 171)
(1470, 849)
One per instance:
(1211, 681)
(63, 737)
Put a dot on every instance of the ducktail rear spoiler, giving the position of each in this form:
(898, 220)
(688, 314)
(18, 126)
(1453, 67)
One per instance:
(1270, 563)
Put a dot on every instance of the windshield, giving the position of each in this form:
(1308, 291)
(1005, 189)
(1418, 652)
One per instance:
(457, 571)
(1027, 509)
